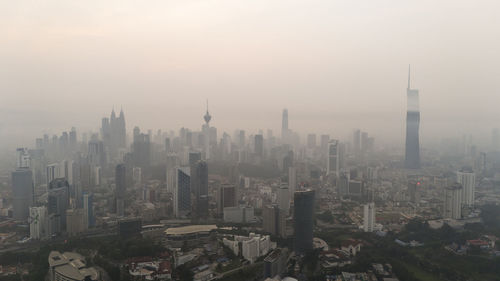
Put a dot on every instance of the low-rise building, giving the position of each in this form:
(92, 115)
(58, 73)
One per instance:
(70, 266)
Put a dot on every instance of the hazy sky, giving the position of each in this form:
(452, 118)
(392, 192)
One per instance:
(335, 65)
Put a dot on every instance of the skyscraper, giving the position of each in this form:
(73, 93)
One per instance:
(22, 193)
(141, 150)
(88, 207)
(199, 189)
(369, 217)
(284, 126)
(38, 222)
(58, 203)
(182, 192)
(303, 216)
(120, 187)
(274, 221)
(467, 178)
(333, 164)
(284, 198)
(412, 155)
(226, 197)
(259, 145)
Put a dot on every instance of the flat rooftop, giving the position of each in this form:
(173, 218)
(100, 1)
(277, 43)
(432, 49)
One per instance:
(190, 229)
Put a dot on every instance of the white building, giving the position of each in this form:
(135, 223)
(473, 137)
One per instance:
(39, 223)
(467, 178)
(453, 202)
(252, 247)
(369, 217)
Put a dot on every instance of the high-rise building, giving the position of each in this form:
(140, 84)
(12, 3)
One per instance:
(356, 142)
(284, 198)
(324, 143)
(369, 217)
(22, 193)
(453, 201)
(467, 178)
(172, 163)
(23, 158)
(39, 223)
(332, 164)
(292, 180)
(284, 127)
(275, 263)
(120, 188)
(88, 207)
(303, 216)
(311, 141)
(75, 221)
(259, 145)
(274, 220)
(414, 191)
(58, 203)
(194, 157)
(226, 197)
(52, 172)
(199, 189)
(412, 154)
(182, 192)
(141, 150)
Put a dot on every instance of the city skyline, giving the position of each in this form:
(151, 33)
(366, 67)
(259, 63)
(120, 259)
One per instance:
(84, 64)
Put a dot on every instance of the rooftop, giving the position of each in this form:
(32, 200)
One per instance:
(190, 229)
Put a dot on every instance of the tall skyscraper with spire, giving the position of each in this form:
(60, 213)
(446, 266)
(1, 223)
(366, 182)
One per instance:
(284, 126)
(412, 155)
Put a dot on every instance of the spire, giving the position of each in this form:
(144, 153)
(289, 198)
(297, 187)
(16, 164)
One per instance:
(207, 116)
(113, 115)
(408, 77)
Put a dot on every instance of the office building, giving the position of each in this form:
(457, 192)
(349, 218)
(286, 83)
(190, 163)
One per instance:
(303, 224)
(22, 193)
(58, 203)
(274, 221)
(226, 197)
(412, 152)
(88, 207)
(182, 193)
(199, 189)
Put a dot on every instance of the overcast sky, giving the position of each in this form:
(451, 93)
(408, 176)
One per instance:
(336, 65)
